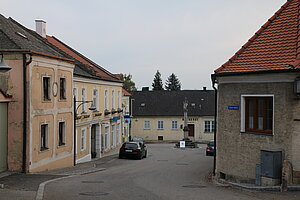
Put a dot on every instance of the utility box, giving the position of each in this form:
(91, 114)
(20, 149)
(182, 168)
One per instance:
(271, 163)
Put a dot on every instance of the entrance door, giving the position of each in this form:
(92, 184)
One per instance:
(191, 130)
(3, 137)
(93, 141)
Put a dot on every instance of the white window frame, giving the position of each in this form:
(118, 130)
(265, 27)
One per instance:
(119, 99)
(96, 98)
(75, 92)
(106, 99)
(106, 138)
(83, 99)
(160, 124)
(83, 139)
(113, 99)
(243, 110)
(211, 126)
(147, 124)
(174, 124)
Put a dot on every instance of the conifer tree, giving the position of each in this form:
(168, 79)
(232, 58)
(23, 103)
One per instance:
(157, 82)
(173, 83)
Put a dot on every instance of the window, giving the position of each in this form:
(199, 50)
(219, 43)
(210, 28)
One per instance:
(62, 89)
(113, 132)
(61, 133)
(95, 99)
(106, 137)
(106, 100)
(146, 124)
(258, 114)
(119, 99)
(209, 126)
(44, 137)
(75, 92)
(174, 124)
(83, 98)
(46, 88)
(83, 140)
(113, 99)
(160, 124)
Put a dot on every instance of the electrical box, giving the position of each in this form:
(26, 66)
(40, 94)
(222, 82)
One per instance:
(271, 163)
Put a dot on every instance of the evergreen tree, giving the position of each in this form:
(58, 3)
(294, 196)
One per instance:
(173, 83)
(157, 82)
(128, 84)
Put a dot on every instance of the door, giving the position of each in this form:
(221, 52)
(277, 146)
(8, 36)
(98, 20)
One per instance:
(3, 137)
(191, 130)
(93, 141)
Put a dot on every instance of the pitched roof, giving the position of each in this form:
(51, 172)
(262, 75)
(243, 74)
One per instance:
(100, 72)
(15, 37)
(275, 46)
(170, 103)
(126, 93)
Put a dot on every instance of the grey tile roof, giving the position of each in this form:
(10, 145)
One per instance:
(14, 36)
(170, 103)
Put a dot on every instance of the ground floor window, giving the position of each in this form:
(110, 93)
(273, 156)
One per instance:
(259, 114)
(61, 133)
(83, 140)
(44, 137)
(209, 126)
(174, 124)
(106, 137)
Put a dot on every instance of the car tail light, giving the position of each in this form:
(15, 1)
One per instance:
(122, 149)
(209, 147)
(135, 149)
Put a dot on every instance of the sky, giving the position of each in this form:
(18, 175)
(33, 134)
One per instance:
(190, 38)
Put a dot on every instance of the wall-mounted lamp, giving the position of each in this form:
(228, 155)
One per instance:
(3, 66)
(297, 85)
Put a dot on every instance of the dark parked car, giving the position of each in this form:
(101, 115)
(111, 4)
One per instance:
(137, 139)
(210, 149)
(133, 149)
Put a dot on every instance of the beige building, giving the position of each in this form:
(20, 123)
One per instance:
(98, 131)
(158, 115)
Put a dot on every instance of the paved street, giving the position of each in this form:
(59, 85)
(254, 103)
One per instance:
(167, 173)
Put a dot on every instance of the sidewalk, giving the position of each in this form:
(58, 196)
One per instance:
(25, 186)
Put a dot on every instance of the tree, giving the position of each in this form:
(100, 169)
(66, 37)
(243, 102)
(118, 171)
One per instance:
(128, 84)
(173, 83)
(157, 82)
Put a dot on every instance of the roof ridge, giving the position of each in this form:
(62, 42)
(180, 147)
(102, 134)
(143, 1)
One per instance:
(256, 34)
(85, 58)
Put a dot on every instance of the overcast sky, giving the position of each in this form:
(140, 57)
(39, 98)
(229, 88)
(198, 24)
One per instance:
(190, 38)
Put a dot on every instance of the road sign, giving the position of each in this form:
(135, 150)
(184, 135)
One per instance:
(182, 144)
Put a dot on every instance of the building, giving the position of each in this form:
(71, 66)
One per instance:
(99, 131)
(36, 102)
(158, 115)
(258, 104)
(126, 101)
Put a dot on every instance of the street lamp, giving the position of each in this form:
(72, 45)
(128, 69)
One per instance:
(75, 117)
(3, 66)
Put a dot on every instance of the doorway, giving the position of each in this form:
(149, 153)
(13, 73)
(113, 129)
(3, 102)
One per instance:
(3, 137)
(191, 130)
(93, 141)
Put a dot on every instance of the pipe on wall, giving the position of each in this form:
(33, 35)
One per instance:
(214, 81)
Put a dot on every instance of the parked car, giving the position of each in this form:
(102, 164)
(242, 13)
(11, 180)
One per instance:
(136, 150)
(210, 149)
(137, 139)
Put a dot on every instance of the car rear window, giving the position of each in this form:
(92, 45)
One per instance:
(131, 146)
(211, 143)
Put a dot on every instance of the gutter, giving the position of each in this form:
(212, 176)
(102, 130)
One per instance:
(214, 81)
(25, 64)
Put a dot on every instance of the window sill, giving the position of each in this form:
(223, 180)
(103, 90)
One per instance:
(62, 145)
(44, 150)
(257, 133)
(147, 129)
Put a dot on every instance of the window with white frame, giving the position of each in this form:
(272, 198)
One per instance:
(113, 99)
(44, 137)
(113, 132)
(46, 88)
(118, 133)
(61, 133)
(106, 137)
(119, 99)
(62, 88)
(96, 99)
(75, 92)
(83, 98)
(209, 126)
(160, 124)
(106, 99)
(257, 113)
(146, 124)
(83, 140)
(174, 124)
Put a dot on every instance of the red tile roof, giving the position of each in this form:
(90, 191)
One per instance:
(274, 46)
(101, 72)
(126, 93)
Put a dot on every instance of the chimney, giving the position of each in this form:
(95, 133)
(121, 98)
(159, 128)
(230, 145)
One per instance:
(204, 88)
(40, 27)
(145, 88)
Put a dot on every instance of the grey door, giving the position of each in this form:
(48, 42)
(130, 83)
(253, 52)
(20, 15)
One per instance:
(3, 137)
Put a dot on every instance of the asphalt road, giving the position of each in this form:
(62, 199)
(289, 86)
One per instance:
(167, 173)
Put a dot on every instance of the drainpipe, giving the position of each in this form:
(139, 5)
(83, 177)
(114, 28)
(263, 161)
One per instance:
(214, 81)
(25, 64)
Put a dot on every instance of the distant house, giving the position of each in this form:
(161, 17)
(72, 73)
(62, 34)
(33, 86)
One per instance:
(35, 102)
(158, 115)
(258, 104)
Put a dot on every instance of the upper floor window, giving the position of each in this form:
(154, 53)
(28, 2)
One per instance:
(146, 124)
(83, 98)
(61, 133)
(209, 126)
(106, 99)
(119, 99)
(75, 92)
(44, 137)
(96, 99)
(258, 114)
(62, 89)
(46, 88)
(174, 124)
(113, 99)
(160, 124)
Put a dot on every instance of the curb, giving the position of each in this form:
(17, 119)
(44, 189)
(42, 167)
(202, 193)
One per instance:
(40, 191)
